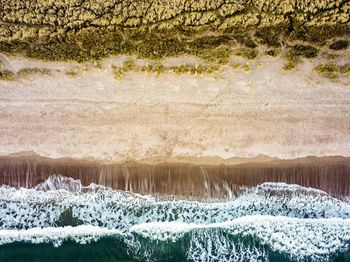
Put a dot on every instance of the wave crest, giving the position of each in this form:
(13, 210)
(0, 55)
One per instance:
(57, 235)
(100, 206)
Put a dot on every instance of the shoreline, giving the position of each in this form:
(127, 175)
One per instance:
(203, 161)
(189, 180)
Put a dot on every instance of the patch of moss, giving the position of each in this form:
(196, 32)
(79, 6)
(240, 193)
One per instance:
(328, 70)
(339, 45)
(7, 75)
(247, 53)
(25, 72)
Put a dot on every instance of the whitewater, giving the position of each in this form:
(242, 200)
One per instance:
(271, 222)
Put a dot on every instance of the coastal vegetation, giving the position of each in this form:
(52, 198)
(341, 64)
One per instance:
(89, 30)
(328, 70)
(345, 69)
(72, 73)
(331, 70)
(296, 52)
(247, 53)
(339, 45)
(7, 75)
(25, 72)
(214, 31)
(127, 66)
(158, 68)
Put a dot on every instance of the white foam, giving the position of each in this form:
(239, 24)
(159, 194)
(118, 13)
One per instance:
(58, 182)
(288, 219)
(315, 239)
(56, 235)
(163, 230)
(280, 186)
(26, 208)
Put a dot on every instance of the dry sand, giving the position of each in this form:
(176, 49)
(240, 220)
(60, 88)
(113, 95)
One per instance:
(159, 118)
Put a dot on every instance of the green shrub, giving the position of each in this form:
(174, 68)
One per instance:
(328, 70)
(72, 73)
(289, 65)
(153, 68)
(305, 51)
(247, 53)
(7, 75)
(273, 52)
(345, 69)
(194, 69)
(128, 65)
(339, 45)
(24, 72)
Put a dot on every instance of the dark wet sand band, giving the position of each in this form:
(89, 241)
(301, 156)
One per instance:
(330, 174)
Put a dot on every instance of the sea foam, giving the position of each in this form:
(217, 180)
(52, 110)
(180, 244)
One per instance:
(101, 206)
(57, 235)
(315, 239)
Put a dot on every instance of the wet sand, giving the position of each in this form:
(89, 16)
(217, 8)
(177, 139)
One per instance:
(330, 174)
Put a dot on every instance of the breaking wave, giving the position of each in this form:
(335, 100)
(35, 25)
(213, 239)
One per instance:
(271, 222)
(56, 235)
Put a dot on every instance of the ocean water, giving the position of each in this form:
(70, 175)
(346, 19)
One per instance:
(60, 220)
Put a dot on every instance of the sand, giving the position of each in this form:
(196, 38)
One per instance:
(234, 113)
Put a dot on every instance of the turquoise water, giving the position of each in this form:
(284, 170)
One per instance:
(272, 222)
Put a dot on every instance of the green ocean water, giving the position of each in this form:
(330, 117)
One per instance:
(110, 249)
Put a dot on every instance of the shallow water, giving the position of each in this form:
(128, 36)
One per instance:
(330, 174)
(270, 222)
